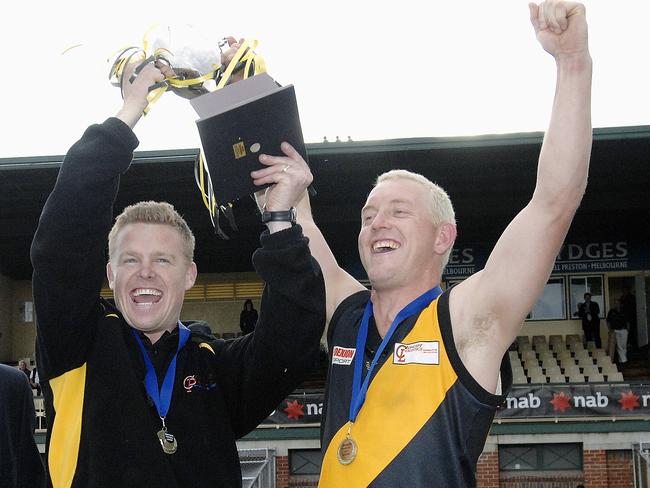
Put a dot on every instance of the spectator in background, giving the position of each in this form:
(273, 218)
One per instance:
(619, 323)
(22, 365)
(248, 317)
(589, 312)
(34, 381)
(628, 307)
(20, 461)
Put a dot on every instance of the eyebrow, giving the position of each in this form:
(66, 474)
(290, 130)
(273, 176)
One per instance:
(391, 202)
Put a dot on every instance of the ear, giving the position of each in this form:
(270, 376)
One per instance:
(190, 276)
(446, 237)
(110, 275)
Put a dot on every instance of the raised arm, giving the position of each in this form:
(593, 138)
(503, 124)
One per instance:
(338, 283)
(489, 308)
(68, 250)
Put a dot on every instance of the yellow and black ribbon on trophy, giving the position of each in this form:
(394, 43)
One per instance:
(189, 83)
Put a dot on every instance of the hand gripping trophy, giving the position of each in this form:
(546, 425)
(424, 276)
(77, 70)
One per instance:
(192, 66)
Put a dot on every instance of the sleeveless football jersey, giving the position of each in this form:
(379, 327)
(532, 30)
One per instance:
(425, 419)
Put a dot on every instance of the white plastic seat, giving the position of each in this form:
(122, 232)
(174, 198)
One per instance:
(538, 378)
(576, 346)
(591, 370)
(615, 377)
(519, 379)
(548, 363)
(545, 355)
(526, 355)
(539, 339)
(567, 363)
(523, 340)
(554, 370)
(525, 347)
(610, 369)
(596, 378)
(542, 349)
(532, 366)
(557, 378)
(604, 361)
(585, 362)
(576, 378)
(572, 338)
(572, 370)
(598, 353)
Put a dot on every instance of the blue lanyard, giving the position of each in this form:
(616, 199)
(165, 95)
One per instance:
(162, 397)
(359, 391)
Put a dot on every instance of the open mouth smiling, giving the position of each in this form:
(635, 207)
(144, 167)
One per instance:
(146, 296)
(385, 246)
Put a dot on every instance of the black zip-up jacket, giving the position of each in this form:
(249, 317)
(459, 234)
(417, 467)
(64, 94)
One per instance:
(101, 424)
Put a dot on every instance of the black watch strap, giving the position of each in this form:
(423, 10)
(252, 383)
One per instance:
(280, 216)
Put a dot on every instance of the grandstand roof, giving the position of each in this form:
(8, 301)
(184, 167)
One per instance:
(489, 179)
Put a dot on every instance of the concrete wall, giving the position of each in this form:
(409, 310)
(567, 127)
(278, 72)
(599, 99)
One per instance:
(24, 332)
(6, 322)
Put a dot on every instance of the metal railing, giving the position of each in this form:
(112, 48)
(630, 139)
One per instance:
(641, 460)
(257, 468)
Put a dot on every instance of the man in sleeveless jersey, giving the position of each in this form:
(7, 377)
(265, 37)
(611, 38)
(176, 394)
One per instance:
(436, 361)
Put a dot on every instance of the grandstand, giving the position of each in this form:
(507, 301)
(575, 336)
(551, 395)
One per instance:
(574, 415)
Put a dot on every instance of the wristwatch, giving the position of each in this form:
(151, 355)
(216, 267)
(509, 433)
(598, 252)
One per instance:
(281, 216)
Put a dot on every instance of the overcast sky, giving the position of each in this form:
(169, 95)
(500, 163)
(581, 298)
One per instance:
(368, 70)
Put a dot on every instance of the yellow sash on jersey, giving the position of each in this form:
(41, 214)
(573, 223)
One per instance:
(400, 400)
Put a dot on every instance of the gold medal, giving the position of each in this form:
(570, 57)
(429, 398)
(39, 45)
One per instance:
(167, 441)
(347, 450)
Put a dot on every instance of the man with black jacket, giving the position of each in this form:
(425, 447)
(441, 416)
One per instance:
(20, 461)
(589, 313)
(134, 397)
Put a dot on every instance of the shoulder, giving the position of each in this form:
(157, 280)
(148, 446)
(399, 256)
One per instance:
(11, 378)
(349, 310)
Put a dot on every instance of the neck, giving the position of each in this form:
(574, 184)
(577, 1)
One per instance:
(156, 335)
(386, 304)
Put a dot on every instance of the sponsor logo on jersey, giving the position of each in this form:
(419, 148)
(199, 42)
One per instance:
(343, 355)
(426, 352)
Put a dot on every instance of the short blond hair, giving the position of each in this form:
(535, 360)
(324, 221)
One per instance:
(440, 205)
(153, 213)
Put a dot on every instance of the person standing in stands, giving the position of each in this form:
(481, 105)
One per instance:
(134, 397)
(619, 323)
(589, 313)
(22, 366)
(248, 317)
(415, 374)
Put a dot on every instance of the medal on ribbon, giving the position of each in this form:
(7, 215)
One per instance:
(162, 397)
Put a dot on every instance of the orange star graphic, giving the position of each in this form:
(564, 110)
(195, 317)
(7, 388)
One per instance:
(629, 401)
(294, 410)
(561, 402)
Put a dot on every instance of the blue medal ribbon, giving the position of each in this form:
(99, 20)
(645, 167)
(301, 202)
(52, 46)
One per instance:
(162, 397)
(359, 390)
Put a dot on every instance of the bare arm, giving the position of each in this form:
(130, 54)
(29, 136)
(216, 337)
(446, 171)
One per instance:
(494, 302)
(339, 284)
